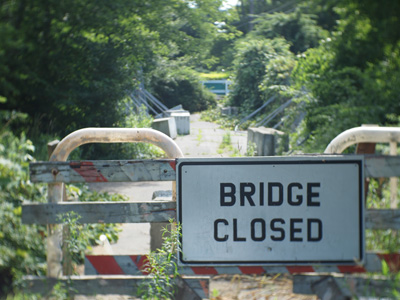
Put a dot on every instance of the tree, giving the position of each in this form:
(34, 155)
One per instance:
(70, 61)
(178, 85)
(67, 64)
(249, 9)
(299, 29)
(350, 79)
(253, 58)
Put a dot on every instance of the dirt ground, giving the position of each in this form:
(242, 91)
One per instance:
(243, 287)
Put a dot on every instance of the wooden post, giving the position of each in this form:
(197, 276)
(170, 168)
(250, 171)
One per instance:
(54, 235)
(393, 180)
(366, 148)
(58, 257)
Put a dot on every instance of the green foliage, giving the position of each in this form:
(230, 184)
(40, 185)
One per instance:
(122, 150)
(251, 149)
(226, 144)
(83, 236)
(69, 69)
(215, 115)
(254, 82)
(68, 64)
(248, 9)
(339, 98)
(299, 29)
(21, 246)
(379, 198)
(214, 76)
(162, 266)
(175, 85)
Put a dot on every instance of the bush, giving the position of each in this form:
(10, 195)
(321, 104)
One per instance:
(22, 247)
(260, 66)
(339, 98)
(180, 85)
(299, 29)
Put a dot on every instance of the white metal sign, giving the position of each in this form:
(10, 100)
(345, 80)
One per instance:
(271, 210)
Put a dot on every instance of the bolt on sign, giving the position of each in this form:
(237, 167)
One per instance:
(271, 210)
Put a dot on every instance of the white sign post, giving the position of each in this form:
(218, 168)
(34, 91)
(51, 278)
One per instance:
(271, 210)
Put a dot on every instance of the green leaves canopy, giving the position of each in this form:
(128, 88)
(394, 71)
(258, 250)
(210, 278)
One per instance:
(68, 63)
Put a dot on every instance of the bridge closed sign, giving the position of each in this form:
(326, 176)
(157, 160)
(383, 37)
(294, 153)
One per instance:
(271, 210)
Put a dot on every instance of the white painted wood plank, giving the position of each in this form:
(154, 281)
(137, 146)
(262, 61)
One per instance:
(362, 285)
(382, 166)
(108, 285)
(100, 212)
(382, 219)
(103, 171)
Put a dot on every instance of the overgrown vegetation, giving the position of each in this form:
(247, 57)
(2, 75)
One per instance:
(318, 66)
(181, 85)
(325, 57)
(162, 266)
(22, 247)
(215, 115)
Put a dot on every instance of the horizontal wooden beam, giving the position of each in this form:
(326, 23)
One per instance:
(366, 285)
(86, 285)
(194, 287)
(157, 170)
(103, 171)
(153, 211)
(382, 166)
(100, 212)
(382, 219)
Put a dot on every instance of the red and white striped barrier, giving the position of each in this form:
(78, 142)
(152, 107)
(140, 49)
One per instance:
(134, 265)
(103, 171)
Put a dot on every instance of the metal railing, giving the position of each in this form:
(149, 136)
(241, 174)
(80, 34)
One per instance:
(95, 135)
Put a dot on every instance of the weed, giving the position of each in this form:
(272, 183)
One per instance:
(215, 116)
(226, 139)
(251, 149)
(379, 197)
(76, 240)
(162, 266)
(215, 294)
(62, 291)
(226, 144)
(199, 137)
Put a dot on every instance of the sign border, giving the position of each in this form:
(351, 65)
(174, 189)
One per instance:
(282, 160)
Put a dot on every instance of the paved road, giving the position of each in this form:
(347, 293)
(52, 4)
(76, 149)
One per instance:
(204, 141)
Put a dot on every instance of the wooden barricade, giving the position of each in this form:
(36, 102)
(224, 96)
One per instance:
(124, 274)
(106, 273)
(115, 281)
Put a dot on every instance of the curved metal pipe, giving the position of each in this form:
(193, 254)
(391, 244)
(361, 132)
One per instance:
(95, 135)
(115, 135)
(364, 134)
